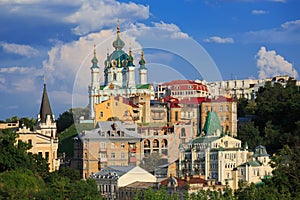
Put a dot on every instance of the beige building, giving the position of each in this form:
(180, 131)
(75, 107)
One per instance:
(10, 125)
(43, 138)
(111, 143)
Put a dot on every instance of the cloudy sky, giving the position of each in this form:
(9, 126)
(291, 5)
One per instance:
(192, 39)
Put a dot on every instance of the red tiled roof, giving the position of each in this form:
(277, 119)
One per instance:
(180, 182)
(184, 85)
(197, 180)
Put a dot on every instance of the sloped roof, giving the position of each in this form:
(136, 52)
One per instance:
(45, 107)
(212, 124)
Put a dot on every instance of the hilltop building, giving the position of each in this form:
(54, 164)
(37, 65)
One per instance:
(43, 137)
(119, 76)
(218, 156)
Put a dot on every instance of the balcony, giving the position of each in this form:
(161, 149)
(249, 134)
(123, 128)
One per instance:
(103, 150)
(133, 150)
(103, 159)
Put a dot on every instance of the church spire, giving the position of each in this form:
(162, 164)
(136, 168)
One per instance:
(45, 109)
(142, 61)
(118, 43)
(95, 60)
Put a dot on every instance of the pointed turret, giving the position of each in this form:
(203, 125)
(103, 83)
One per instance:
(45, 109)
(118, 43)
(143, 70)
(142, 61)
(131, 68)
(94, 60)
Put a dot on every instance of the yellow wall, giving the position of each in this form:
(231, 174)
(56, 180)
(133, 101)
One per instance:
(41, 144)
(113, 108)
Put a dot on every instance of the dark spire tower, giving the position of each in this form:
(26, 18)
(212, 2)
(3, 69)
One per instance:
(45, 109)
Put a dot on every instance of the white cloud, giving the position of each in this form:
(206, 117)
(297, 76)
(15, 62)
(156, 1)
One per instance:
(288, 32)
(21, 70)
(259, 12)
(24, 85)
(271, 64)
(94, 15)
(19, 49)
(217, 39)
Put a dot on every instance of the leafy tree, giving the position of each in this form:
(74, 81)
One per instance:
(152, 162)
(249, 133)
(20, 184)
(65, 120)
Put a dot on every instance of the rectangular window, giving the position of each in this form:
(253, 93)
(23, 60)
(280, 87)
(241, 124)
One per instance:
(176, 115)
(122, 145)
(103, 145)
(113, 155)
(47, 156)
(122, 155)
(101, 114)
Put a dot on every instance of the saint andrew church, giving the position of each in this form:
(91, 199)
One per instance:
(119, 76)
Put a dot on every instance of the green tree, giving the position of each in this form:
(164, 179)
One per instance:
(65, 120)
(249, 133)
(20, 184)
(152, 162)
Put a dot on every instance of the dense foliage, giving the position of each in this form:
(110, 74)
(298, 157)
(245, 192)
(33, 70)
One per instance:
(26, 176)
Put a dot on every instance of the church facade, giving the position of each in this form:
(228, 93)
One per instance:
(119, 76)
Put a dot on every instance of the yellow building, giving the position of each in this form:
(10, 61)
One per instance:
(10, 125)
(115, 107)
(226, 110)
(43, 138)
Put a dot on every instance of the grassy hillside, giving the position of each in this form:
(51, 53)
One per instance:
(66, 138)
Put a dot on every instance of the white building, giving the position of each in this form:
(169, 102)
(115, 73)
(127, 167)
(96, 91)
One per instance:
(110, 179)
(220, 157)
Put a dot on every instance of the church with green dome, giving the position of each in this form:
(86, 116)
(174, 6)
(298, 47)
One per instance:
(119, 76)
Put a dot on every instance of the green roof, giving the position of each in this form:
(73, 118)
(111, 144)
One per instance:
(102, 87)
(212, 124)
(252, 163)
(144, 86)
(260, 151)
(204, 139)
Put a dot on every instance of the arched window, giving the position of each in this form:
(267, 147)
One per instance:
(114, 76)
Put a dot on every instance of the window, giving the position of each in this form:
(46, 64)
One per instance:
(47, 156)
(122, 155)
(183, 134)
(41, 153)
(113, 145)
(122, 145)
(221, 108)
(113, 155)
(227, 108)
(103, 145)
(176, 115)
(115, 76)
(101, 114)
(30, 141)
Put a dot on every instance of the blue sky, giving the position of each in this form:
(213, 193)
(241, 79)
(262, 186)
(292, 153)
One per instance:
(208, 39)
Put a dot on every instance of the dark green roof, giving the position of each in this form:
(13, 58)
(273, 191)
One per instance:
(260, 151)
(144, 86)
(212, 124)
(253, 163)
(204, 139)
(102, 87)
